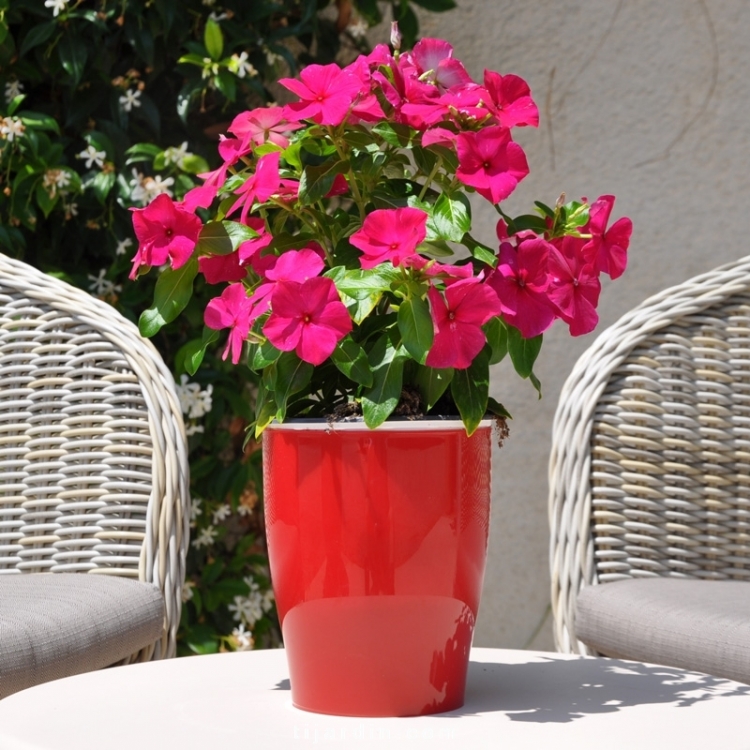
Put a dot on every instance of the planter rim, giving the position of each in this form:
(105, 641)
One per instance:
(357, 424)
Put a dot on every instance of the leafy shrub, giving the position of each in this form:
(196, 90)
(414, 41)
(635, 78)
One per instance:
(103, 106)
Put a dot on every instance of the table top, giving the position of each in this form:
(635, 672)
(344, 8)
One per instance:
(515, 699)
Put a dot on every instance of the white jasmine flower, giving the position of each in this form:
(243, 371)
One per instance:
(210, 68)
(187, 591)
(247, 609)
(222, 512)
(57, 6)
(130, 99)
(55, 179)
(193, 429)
(12, 90)
(272, 57)
(244, 638)
(123, 245)
(206, 538)
(177, 155)
(239, 65)
(195, 509)
(358, 29)
(11, 127)
(214, 16)
(71, 209)
(92, 156)
(101, 286)
(194, 402)
(147, 188)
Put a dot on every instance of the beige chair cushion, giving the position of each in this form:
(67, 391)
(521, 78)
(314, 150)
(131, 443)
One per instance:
(54, 625)
(698, 625)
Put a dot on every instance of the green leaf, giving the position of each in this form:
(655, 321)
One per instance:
(264, 354)
(350, 358)
(523, 352)
(201, 639)
(470, 390)
(479, 251)
(369, 10)
(44, 200)
(173, 290)
(150, 322)
(213, 39)
(265, 409)
(396, 134)
(451, 218)
(387, 363)
(317, 181)
(102, 183)
(190, 356)
(38, 35)
(39, 121)
(214, 239)
(227, 84)
(141, 152)
(495, 407)
(497, 337)
(435, 249)
(292, 376)
(73, 55)
(416, 327)
(432, 383)
(194, 164)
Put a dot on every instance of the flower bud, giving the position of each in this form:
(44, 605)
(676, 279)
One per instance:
(395, 36)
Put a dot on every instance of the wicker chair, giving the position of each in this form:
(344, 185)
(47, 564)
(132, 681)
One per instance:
(93, 480)
(650, 483)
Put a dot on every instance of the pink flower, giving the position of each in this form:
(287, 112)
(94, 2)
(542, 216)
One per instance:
(263, 125)
(490, 162)
(521, 281)
(219, 268)
(608, 247)
(575, 285)
(231, 151)
(390, 234)
(434, 61)
(510, 100)
(458, 319)
(326, 94)
(261, 185)
(308, 318)
(231, 310)
(165, 231)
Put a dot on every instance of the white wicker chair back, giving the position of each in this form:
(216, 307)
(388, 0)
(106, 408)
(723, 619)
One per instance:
(650, 464)
(93, 458)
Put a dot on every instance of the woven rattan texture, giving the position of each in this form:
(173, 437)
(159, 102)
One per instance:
(93, 460)
(650, 466)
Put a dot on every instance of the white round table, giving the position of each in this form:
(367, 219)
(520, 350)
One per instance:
(515, 699)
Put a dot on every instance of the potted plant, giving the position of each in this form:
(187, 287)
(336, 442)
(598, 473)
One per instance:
(337, 231)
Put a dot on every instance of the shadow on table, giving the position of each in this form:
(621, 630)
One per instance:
(562, 690)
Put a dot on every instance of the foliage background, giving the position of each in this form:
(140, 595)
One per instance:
(104, 105)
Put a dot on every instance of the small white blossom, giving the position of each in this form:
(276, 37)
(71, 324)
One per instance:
(195, 509)
(101, 286)
(214, 16)
(57, 6)
(193, 429)
(71, 209)
(177, 155)
(187, 591)
(206, 538)
(130, 99)
(222, 512)
(239, 65)
(147, 188)
(54, 180)
(210, 68)
(247, 609)
(272, 57)
(11, 127)
(194, 402)
(12, 90)
(123, 245)
(244, 638)
(358, 29)
(92, 156)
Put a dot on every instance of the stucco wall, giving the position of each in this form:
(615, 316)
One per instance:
(649, 101)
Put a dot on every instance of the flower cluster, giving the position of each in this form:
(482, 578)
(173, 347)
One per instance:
(328, 224)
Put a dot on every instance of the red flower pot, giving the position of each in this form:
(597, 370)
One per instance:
(377, 542)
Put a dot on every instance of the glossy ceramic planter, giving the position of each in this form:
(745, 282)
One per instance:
(377, 543)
